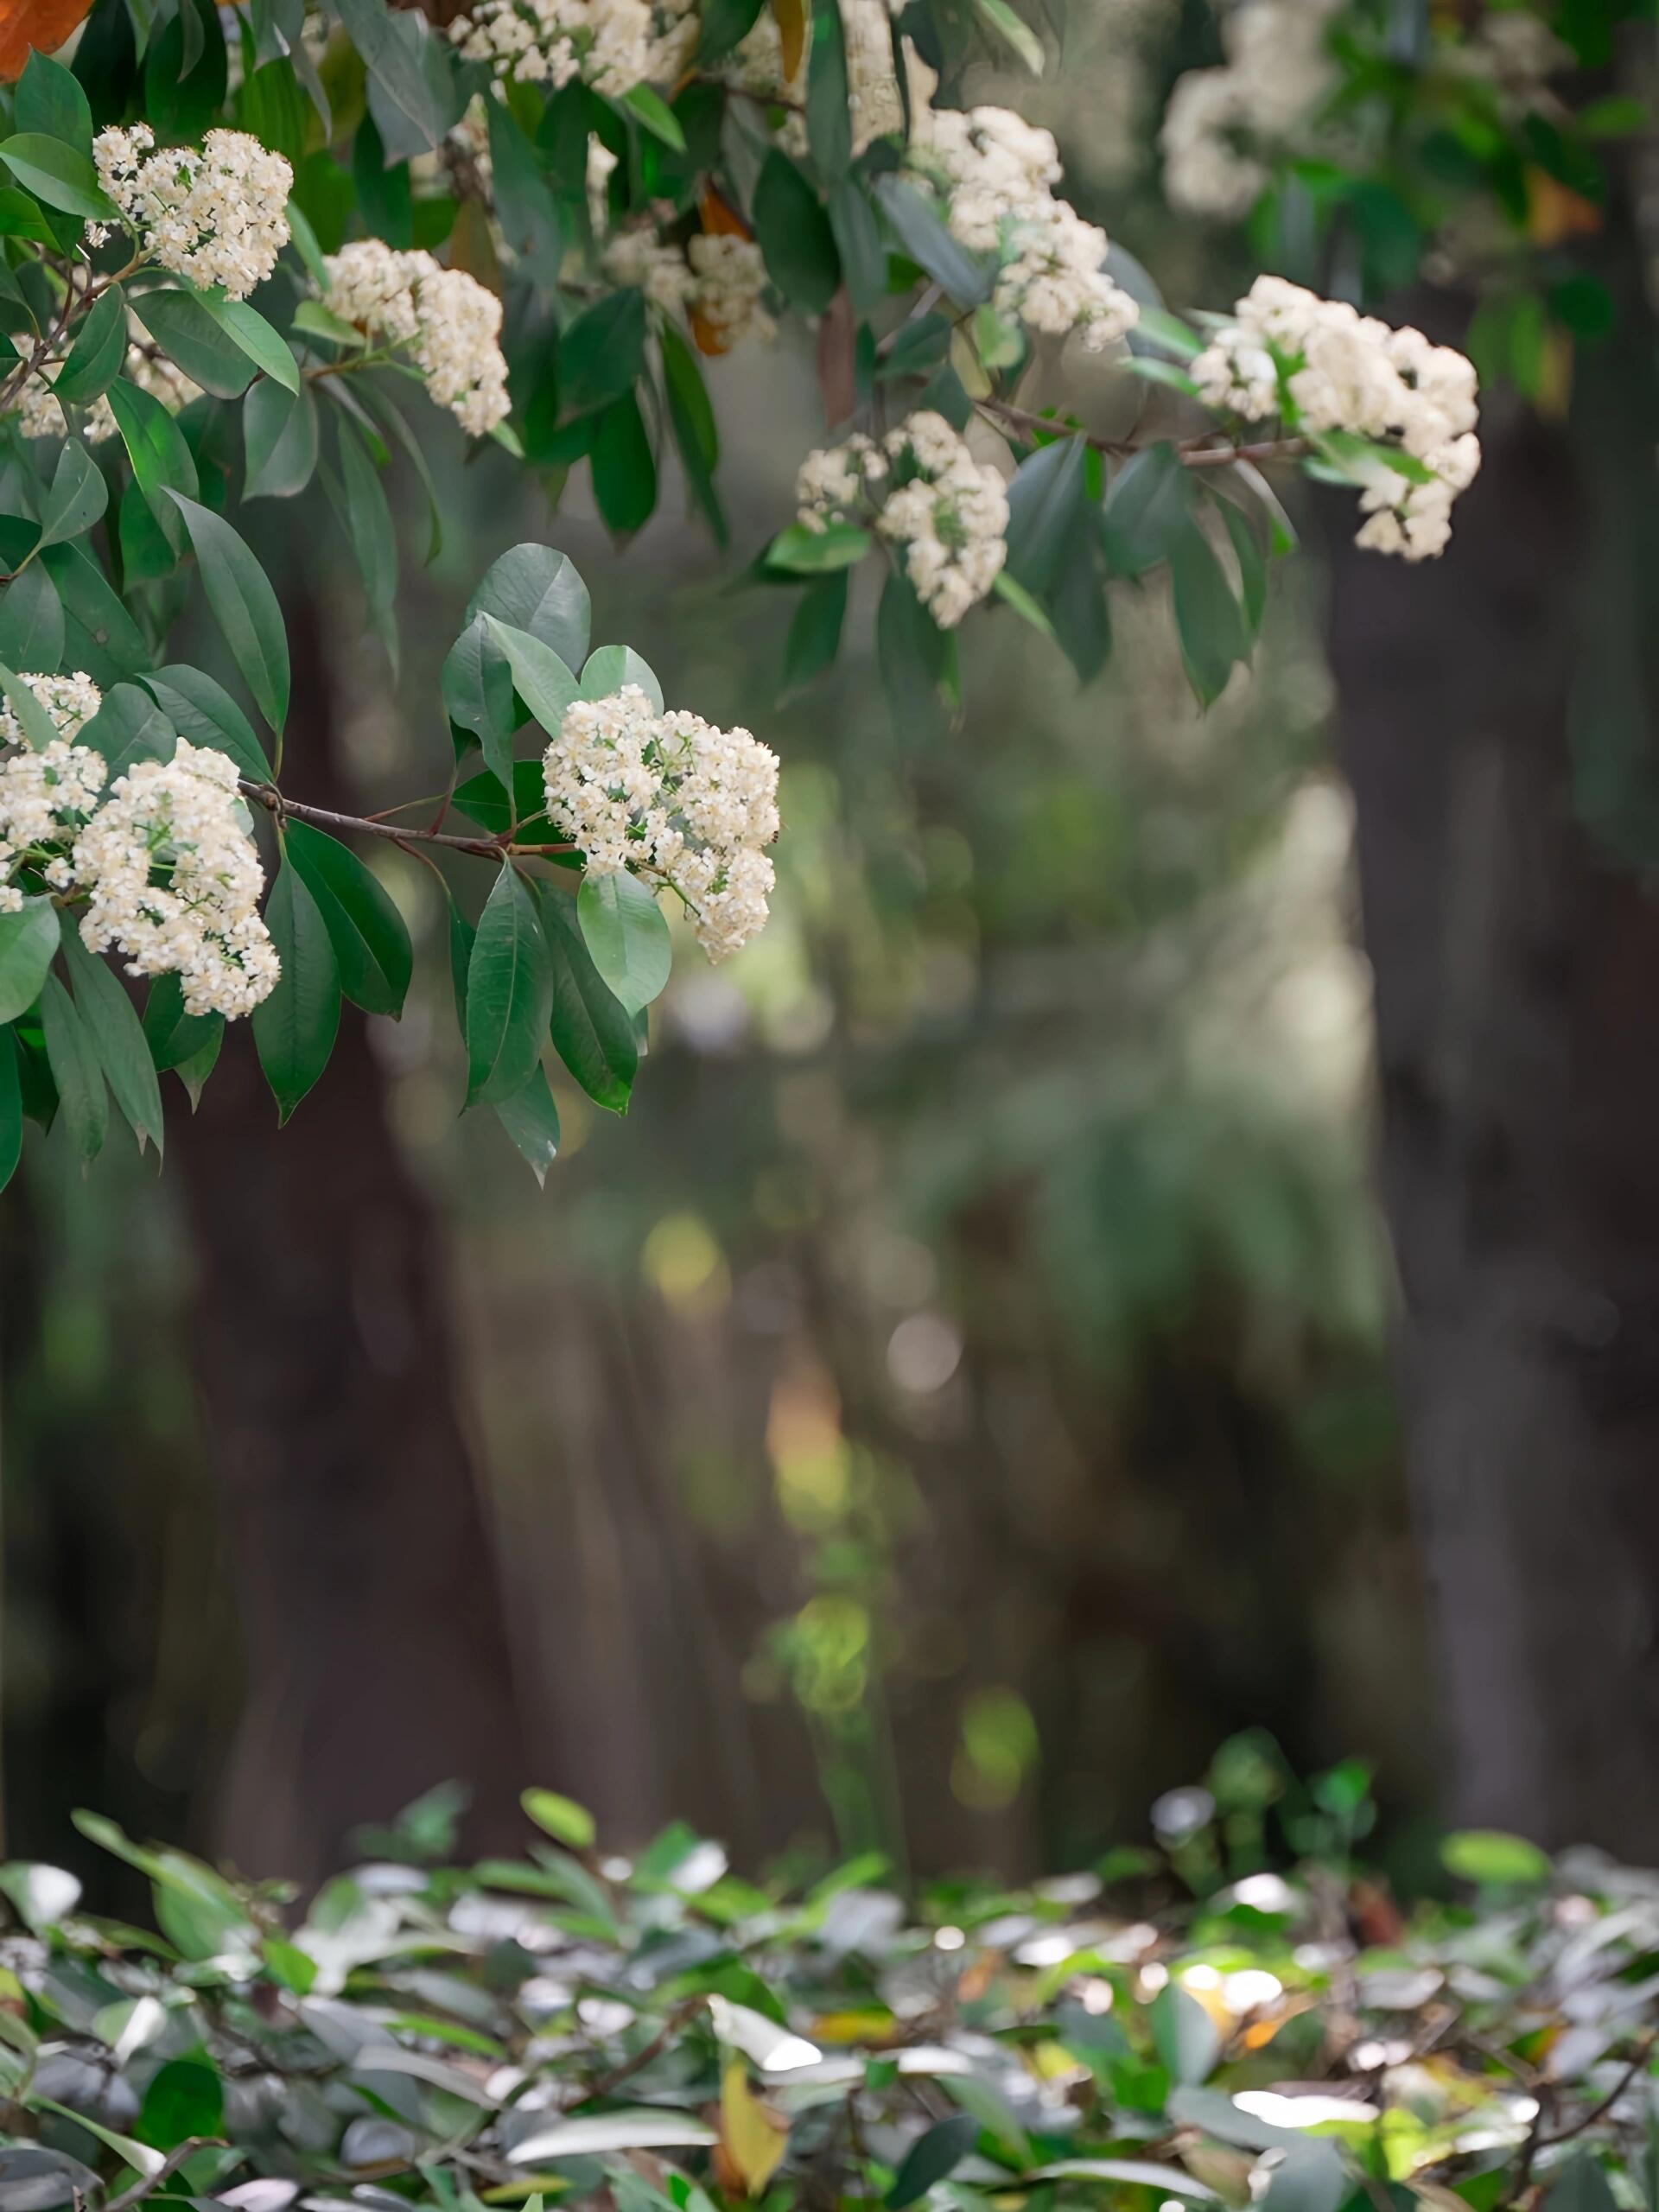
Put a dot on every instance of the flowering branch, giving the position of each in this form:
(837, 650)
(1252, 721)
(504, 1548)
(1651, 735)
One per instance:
(322, 817)
(1194, 454)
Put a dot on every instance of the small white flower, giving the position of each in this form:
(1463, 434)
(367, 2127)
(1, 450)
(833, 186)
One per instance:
(218, 216)
(446, 321)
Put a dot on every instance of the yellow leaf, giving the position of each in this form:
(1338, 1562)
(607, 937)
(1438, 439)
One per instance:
(792, 24)
(874, 2024)
(753, 2136)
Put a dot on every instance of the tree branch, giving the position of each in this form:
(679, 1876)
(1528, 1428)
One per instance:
(1194, 454)
(323, 817)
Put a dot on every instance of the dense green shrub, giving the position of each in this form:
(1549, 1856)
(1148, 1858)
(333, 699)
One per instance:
(656, 2034)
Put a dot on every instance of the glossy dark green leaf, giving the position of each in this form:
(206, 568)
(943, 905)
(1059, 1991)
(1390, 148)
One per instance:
(967, 278)
(1148, 505)
(691, 417)
(182, 325)
(185, 72)
(184, 2101)
(271, 105)
(524, 205)
(117, 1035)
(58, 176)
(244, 606)
(913, 655)
(31, 623)
(49, 101)
(370, 937)
(828, 123)
(404, 73)
(95, 360)
(75, 498)
(592, 1030)
(531, 1120)
(652, 112)
(540, 678)
(360, 499)
(1252, 567)
(625, 468)
(1076, 601)
(28, 938)
(724, 24)
(256, 339)
(509, 993)
(603, 350)
(202, 710)
(11, 1110)
(279, 441)
(75, 1070)
(100, 634)
(162, 461)
(536, 589)
(128, 725)
(294, 1028)
(1045, 496)
(1208, 622)
(803, 551)
(814, 632)
(174, 1036)
(931, 2157)
(794, 235)
(627, 935)
(858, 241)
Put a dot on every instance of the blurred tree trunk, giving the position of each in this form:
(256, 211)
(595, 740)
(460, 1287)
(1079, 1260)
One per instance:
(1497, 719)
(374, 1648)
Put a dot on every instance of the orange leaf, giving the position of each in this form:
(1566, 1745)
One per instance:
(719, 217)
(38, 26)
(792, 24)
(1554, 213)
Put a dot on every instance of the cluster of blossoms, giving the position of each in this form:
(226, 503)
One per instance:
(166, 860)
(612, 45)
(1219, 122)
(1323, 366)
(926, 492)
(46, 796)
(218, 216)
(696, 806)
(184, 822)
(996, 173)
(717, 281)
(450, 324)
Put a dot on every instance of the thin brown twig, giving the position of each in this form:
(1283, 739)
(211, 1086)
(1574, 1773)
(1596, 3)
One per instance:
(165, 2172)
(1587, 2120)
(642, 2058)
(1193, 454)
(322, 817)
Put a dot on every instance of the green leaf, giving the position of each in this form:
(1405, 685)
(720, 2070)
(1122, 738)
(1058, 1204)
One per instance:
(540, 678)
(531, 1120)
(248, 330)
(1009, 588)
(99, 635)
(185, 2099)
(31, 623)
(1185, 2037)
(203, 710)
(368, 519)
(725, 23)
(279, 441)
(76, 498)
(1310, 2178)
(593, 1031)
(805, 552)
(1252, 567)
(828, 123)
(536, 589)
(58, 176)
(128, 725)
(609, 667)
(11, 1110)
(1048, 491)
(294, 1028)
(95, 360)
(75, 1070)
(625, 468)
(407, 76)
(193, 1070)
(626, 931)
(162, 461)
(484, 799)
(37, 726)
(931, 2157)
(1018, 34)
(28, 938)
(119, 1038)
(603, 351)
(794, 237)
(183, 326)
(649, 109)
(1148, 507)
(691, 417)
(1207, 619)
(966, 277)
(1494, 1860)
(244, 606)
(1162, 328)
(858, 243)
(509, 993)
(174, 1036)
(1581, 2186)
(51, 103)
(913, 655)
(1152, 368)
(566, 1821)
(814, 632)
(369, 936)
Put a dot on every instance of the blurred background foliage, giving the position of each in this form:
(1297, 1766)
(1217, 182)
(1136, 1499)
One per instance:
(954, 1399)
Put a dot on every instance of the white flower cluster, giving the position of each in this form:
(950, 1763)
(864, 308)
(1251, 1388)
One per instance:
(46, 796)
(947, 510)
(668, 792)
(40, 413)
(218, 216)
(612, 45)
(1323, 366)
(997, 174)
(1219, 122)
(445, 319)
(175, 878)
(717, 281)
